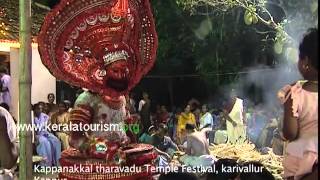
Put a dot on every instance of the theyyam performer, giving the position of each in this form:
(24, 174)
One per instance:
(105, 46)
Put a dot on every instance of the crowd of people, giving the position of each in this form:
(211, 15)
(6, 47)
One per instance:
(198, 125)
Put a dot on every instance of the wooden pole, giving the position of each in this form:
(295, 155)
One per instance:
(25, 56)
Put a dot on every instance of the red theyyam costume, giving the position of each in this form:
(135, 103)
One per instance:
(105, 46)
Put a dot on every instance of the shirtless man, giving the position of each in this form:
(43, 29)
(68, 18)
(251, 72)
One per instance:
(197, 144)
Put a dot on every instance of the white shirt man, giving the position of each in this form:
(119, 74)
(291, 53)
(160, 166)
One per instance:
(5, 96)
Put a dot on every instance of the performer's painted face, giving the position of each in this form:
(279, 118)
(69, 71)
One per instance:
(117, 75)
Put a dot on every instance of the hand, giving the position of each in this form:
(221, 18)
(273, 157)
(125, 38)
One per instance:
(167, 156)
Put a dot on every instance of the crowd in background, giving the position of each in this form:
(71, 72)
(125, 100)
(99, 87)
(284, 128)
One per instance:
(262, 124)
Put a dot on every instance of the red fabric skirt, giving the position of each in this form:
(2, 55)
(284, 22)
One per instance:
(139, 159)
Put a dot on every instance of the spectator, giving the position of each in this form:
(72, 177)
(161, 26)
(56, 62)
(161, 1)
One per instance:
(163, 144)
(68, 105)
(61, 117)
(147, 137)
(197, 116)
(48, 146)
(144, 110)
(164, 115)
(205, 117)
(52, 106)
(186, 117)
(132, 102)
(300, 121)
(5, 79)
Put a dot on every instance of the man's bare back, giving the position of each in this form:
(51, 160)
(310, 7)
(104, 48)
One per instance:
(197, 144)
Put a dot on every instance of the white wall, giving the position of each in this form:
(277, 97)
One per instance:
(43, 82)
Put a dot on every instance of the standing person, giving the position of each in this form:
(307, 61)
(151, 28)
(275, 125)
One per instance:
(5, 79)
(300, 121)
(8, 136)
(197, 116)
(132, 102)
(144, 110)
(186, 117)
(61, 117)
(206, 120)
(156, 116)
(205, 117)
(234, 114)
(174, 122)
(52, 106)
(164, 115)
(48, 146)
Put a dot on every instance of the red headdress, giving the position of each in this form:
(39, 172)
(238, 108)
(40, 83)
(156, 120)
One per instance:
(80, 38)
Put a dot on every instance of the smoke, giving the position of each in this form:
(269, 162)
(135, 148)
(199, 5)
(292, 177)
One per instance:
(265, 82)
(271, 79)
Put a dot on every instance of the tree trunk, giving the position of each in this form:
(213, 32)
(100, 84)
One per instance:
(25, 57)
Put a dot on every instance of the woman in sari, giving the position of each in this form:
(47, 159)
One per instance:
(61, 118)
(186, 117)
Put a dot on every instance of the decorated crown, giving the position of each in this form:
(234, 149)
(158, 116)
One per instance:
(115, 56)
(76, 34)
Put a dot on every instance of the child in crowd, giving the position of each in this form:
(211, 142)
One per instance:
(147, 136)
(300, 122)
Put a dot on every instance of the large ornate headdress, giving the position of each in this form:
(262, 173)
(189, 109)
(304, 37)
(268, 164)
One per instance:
(80, 37)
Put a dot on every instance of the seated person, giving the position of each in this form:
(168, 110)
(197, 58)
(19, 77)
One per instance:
(147, 136)
(61, 117)
(197, 150)
(48, 145)
(197, 144)
(162, 143)
(221, 134)
(8, 145)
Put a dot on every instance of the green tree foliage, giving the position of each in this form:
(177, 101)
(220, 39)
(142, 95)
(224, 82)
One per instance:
(283, 18)
(9, 19)
(216, 40)
(208, 46)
